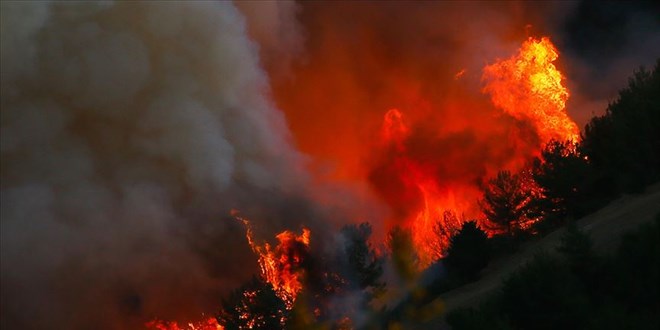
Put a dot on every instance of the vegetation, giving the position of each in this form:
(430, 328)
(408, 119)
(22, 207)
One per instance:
(253, 306)
(618, 154)
(403, 253)
(560, 172)
(578, 289)
(506, 202)
(574, 288)
(444, 229)
(622, 145)
(363, 266)
(468, 252)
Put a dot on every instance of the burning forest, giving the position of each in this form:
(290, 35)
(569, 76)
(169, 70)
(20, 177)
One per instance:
(270, 165)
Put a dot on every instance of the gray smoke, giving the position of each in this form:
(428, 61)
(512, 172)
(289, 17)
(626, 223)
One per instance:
(275, 27)
(129, 131)
(601, 44)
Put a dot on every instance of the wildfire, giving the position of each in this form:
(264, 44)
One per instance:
(433, 224)
(208, 324)
(529, 87)
(281, 266)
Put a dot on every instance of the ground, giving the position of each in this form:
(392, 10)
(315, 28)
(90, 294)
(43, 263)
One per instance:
(604, 226)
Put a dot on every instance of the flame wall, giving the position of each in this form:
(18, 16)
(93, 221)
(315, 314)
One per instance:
(364, 59)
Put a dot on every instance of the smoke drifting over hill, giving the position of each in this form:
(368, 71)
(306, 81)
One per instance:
(130, 130)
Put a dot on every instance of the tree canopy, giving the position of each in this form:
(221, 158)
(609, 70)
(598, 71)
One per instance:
(506, 201)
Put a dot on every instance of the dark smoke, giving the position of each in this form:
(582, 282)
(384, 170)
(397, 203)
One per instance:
(603, 42)
(129, 132)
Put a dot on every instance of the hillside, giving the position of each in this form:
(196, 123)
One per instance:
(604, 226)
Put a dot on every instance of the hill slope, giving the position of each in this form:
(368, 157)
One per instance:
(604, 226)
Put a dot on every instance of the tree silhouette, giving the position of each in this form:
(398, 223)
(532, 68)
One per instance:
(444, 229)
(622, 145)
(506, 201)
(468, 252)
(253, 306)
(365, 267)
(561, 173)
(578, 289)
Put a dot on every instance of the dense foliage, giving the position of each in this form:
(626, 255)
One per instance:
(578, 289)
(619, 153)
(560, 172)
(623, 145)
(468, 251)
(253, 306)
(506, 202)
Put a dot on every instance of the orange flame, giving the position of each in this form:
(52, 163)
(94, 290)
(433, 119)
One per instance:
(529, 87)
(208, 324)
(430, 226)
(281, 266)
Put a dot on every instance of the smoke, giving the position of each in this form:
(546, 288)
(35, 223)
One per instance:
(363, 59)
(275, 27)
(426, 60)
(603, 43)
(129, 131)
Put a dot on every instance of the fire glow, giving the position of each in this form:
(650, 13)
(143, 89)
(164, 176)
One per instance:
(281, 266)
(208, 324)
(527, 87)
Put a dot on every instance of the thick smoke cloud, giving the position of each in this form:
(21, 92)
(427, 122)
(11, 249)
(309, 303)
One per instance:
(129, 131)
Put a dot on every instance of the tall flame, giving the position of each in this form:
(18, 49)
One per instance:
(433, 224)
(281, 265)
(528, 86)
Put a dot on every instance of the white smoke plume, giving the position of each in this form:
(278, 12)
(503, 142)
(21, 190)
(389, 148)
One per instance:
(129, 131)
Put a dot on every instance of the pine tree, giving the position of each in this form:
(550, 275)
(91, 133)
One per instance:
(506, 202)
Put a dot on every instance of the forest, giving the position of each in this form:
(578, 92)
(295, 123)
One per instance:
(618, 153)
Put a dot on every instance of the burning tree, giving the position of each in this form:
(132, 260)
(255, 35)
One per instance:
(255, 305)
(281, 266)
(506, 201)
(529, 87)
(445, 228)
